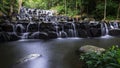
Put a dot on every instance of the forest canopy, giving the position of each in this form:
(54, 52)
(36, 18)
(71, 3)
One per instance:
(98, 9)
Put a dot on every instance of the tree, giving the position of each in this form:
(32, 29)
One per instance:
(105, 10)
(19, 5)
(118, 11)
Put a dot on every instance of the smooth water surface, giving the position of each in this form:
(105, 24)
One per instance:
(56, 53)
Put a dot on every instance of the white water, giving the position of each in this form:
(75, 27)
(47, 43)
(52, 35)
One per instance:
(106, 29)
(74, 29)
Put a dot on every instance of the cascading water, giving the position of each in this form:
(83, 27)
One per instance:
(24, 35)
(106, 29)
(67, 29)
(62, 33)
(71, 32)
(115, 24)
(74, 30)
(56, 28)
(13, 29)
(111, 26)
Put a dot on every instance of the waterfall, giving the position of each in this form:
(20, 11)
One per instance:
(74, 29)
(111, 26)
(62, 34)
(13, 29)
(71, 32)
(21, 27)
(115, 24)
(104, 26)
(27, 27)
(56, 28)
(24, 35)
(106, 29)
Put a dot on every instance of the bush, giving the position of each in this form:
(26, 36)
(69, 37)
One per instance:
(108, 59)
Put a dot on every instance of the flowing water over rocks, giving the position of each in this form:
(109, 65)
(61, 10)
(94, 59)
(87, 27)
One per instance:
(56, 38)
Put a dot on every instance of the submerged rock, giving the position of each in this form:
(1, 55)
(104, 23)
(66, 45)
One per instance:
(28, 58)
(91, 48)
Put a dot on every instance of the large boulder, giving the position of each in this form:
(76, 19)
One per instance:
(19, 29)
(91, 48)
(32, 27)
(114, 32)
(8, 27)
(13, 37)
(69, 25)
(94, 30)
(82, 33)
(5, 37)
(45, 27)
(52, 35)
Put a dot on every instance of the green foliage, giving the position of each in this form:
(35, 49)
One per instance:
(108, 59)
(5, 6)
(58, 8)
(93, 8)
(77, 7)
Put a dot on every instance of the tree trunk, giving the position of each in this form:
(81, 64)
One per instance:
(105, 7)
(76, 6)
(81, 8)
(65, 6)
(118, 12)
(19, 5)
(11, 7)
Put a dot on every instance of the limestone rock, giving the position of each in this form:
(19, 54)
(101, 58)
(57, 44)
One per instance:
(91, 48)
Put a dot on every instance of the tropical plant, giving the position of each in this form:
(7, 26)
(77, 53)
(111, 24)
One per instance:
(8, 7)
(108, 59)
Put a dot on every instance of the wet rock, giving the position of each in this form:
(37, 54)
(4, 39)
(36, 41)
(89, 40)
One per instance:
(82, 33)
(94, 30)
(91, 48)
(52, 35)
(32, 27)
(24, 25)
(114, 32)
(5, 37)
(69, 26)
(19, 29)
(63, 34)
(28, 58)
(13, 37)
(47, 27)
(7, 27)
(70, 33)
(39, 35)
(26, 35)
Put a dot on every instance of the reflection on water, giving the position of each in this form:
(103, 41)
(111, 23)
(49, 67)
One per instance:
(56, 53)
